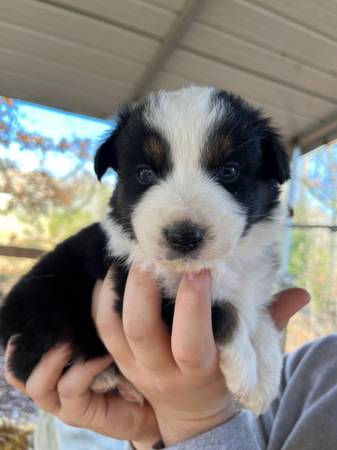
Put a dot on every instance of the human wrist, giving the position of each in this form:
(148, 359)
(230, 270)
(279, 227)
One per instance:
(147, 440)
(144, 445)
(179, 429)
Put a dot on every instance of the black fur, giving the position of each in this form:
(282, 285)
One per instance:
(124, 151)
(51, 303)
(256, 148)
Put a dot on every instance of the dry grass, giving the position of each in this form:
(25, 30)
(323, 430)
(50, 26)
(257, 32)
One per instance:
(15, 436)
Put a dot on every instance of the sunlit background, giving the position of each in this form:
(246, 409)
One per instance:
(48, 190)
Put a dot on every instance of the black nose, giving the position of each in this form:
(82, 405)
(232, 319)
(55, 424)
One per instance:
(184, 237)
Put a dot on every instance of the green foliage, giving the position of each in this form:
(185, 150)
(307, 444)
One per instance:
(299, 253)
(309, 264)
(313, 251)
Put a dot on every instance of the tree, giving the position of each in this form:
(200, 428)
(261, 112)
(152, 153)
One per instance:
(36, 191)
(320, 177)
(50, 206)
(313, 257)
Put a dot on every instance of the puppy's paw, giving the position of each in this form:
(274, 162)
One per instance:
(240, 372)
(242, 386)
(129, 392)
(260, 399)
(111, 379)
(106, 381)
(250, 388)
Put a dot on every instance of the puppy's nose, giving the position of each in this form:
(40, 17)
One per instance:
(184, 237)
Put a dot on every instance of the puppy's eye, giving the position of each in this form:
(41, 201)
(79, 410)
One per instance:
(229, 172)
(145, 175)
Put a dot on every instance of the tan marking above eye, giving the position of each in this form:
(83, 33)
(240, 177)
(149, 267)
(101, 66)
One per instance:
(217, 149)
(154, 149)
(225, 142)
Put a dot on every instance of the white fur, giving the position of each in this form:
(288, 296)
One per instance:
(242, 268)
(110, 380)
(184, 118)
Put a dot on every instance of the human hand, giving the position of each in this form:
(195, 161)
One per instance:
(68, 396)
(179, 373)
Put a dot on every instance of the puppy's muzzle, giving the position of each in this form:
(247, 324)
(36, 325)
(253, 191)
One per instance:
(184, 237)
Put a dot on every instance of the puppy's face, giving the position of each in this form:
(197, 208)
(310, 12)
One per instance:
(197, 169)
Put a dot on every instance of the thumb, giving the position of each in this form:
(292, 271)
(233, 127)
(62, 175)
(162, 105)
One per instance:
(286, 304)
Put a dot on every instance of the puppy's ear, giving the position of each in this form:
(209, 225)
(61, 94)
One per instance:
(106, 156)
(275, 161)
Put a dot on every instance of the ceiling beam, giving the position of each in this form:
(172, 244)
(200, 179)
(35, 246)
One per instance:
(179, 26)
(319, 134)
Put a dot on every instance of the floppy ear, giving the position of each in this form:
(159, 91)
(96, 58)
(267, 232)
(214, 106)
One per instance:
(275, 161)
(106, 155)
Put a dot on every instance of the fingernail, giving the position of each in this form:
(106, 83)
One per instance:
(11, 340)
(64, 347)
(196, 276)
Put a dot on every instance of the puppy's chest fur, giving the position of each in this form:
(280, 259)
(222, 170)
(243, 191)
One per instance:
(224, 313)
(241, 286)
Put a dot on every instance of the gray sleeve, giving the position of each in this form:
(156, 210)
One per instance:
(303, 417)
(225, 437)
(236, 434)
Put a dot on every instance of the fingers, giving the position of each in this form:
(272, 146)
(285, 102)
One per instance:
(287, 303)
(108, 322)
(106, 413)
(95, 299)
(125, 420)
(77, 380)
(41, 386)
(145, 330)
(69, 397)
(192, 335)
(74, 391)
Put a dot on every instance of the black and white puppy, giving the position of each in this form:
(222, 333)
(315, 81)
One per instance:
(198, 182)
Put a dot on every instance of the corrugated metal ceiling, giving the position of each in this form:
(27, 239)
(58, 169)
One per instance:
(89, 56)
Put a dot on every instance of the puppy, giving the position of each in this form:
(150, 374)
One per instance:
(198, 182)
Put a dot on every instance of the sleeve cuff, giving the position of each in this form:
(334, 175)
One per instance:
(236, 434)
(158, 445)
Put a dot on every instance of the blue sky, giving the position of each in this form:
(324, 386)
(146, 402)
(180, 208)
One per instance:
(55, 124)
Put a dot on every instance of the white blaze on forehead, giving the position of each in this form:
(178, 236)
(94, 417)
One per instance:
(184, 118)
